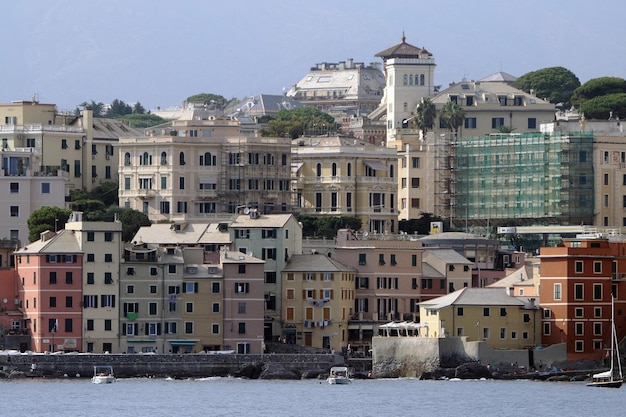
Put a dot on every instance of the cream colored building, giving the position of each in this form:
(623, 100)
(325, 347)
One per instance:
(81, 146)
(335, 87)
(318, 299)
(274, 238)
(491, 315)
(204, 169)
(101, 244)
(24, 189)
(336, 176)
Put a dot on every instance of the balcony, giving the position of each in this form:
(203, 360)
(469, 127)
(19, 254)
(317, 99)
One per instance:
(145, 193)
(618, 276)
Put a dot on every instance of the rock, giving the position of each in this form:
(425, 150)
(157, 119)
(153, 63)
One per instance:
(277, 371)
(472, 370)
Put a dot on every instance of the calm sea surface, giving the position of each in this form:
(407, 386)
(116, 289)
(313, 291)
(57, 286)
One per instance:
(236, 397)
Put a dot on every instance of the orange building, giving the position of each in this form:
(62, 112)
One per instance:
(577, 280)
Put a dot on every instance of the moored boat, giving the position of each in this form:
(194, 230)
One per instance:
(612, 378)
(338, 376)
(102, 374)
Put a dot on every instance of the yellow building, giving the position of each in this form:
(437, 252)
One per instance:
(492, 315)
(318, 296)
(335, 176)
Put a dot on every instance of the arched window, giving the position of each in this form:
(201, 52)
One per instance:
(406, 79)
(319, 170)
(207, 159)
(127, 158)
(163, 158)
(181, 158)
(391, 173)
(422, 79)
(334, 168)
(411, 79)
(144, 159)
(349, 169)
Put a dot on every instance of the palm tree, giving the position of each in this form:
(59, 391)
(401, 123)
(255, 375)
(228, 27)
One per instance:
(452, 116)
(425, 115)
(505, 129)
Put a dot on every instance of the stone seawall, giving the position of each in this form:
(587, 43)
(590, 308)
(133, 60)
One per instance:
(177, 366)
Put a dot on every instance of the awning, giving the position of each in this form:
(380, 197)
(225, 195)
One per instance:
(182, 342)
(207, 180)
(141, 341)
(375, 164)
(289, 331)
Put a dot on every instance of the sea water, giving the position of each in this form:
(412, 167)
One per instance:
(238, 397)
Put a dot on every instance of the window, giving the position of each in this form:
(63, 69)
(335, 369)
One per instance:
(270, 277)
(190, 287)
(381, 259)
(502, 311)
(152, 309)
(362, 258)
(496, 122)
(597, 267)
(532, 123)
(557, 291)
(415, 183)
(242, 287)
(108, 278)
(15, 211)
(53, 277)
(216, 307)
(53, 302)
(578, 292)
(470, 123)
(68, 277)
(215, 329)
(45, 188)
(503, 333)
(486, 311)
(597, 291)
(241, 308)
(69, 325)
(108, 325)
(215, 288)
(91, 278)
(91, 257)
(579, 329)
(15, 187)
(393, 259)
(597, 329)
(242, 328)
(90, 324)
(90, 301)
(189, 307)
(107, 300)
(579, 312)
(459, 311)
(242, 268)
(108, 257)
(415, 162)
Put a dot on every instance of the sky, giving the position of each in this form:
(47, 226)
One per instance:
(160, 52)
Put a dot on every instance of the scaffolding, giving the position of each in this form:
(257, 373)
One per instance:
(532, 178)
(445, 176)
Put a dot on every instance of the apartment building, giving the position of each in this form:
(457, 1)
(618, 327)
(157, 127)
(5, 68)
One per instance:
(337, 176)
(244, 302)
(346, 86)
(490, 315)
(318, 296)
(50, 292)
(204, 169)
(24, 188)
(578, 279)
(274, 238)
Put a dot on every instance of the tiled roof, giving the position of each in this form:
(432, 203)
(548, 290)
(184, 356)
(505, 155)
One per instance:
(315, 263)
(474, 297)
(450, 256)
(403, 50)
(63, 242)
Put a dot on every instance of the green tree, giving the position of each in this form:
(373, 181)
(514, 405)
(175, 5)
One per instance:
(505, 129)
(556, 84)
(97, 108)
(421, 226)
(452, 116)
(46, 218)
(597, 87)
(207, 98)
(142, 121)
(603, 107)
(131, 220)
(299, 122)
(118, 108)
(138, 108)
(327, 226)
(425, 115)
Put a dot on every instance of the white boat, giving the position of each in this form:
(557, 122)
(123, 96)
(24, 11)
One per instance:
(612, 378)
(102, 374)
(338, 375)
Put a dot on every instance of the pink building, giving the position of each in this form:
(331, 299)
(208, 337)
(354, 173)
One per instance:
(49, 274)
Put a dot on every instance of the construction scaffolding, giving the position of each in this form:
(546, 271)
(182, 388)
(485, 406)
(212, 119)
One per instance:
(445, 176)
(532, 178)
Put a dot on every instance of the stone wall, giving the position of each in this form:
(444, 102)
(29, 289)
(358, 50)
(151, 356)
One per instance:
(183, 366)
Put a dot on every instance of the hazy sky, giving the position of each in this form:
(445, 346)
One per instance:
(159, 52)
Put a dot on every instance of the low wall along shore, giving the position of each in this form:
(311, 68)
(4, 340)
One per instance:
(178, 366)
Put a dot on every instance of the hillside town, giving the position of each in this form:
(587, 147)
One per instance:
(227, 266)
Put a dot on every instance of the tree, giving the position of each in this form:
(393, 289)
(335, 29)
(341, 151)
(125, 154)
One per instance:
(118, 108)
(142, 121)
(505, 129)
(46, 218)
(604, 107)
(556, 84)
(131, 220)
(138, 108)
(452, 116)
(207, 98)
(97, 108)
(425, 115)
(327, 226)
(299, 122)
(420, 226)
(597, 87)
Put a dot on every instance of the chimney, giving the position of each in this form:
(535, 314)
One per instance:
(510, 291)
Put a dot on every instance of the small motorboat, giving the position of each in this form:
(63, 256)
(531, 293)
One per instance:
(338, 375)
(102, 374)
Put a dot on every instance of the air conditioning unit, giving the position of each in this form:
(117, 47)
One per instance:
(254, 214)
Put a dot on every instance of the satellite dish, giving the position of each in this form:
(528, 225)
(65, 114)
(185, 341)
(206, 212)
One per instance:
(365, 234)
(246, 211)
(4, 300)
